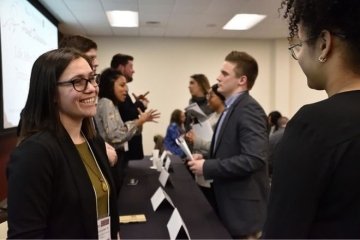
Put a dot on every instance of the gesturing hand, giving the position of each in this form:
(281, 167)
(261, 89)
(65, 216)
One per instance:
(148, 116)
(142, 98)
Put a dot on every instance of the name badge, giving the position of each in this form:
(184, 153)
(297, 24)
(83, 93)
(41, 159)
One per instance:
(104, 228)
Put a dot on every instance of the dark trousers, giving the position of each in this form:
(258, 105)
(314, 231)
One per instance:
(118, 170)
(210, 196)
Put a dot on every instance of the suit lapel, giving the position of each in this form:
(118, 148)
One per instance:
(237, 103)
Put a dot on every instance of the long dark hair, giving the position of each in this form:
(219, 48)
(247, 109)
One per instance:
(107, 80)
(41, 112)
(176, 117)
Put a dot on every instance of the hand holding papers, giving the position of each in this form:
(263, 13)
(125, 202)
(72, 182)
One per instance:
(196, 164)
(184, 147)
(195, 112)
(202, 127)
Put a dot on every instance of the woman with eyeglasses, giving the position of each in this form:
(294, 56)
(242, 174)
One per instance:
(317, 166)
(113, 90)
(59, 179)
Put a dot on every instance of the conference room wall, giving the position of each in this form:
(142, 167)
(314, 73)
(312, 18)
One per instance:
(163, 66)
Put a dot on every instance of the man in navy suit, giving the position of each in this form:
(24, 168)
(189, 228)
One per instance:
(237, 161)
(129, 109)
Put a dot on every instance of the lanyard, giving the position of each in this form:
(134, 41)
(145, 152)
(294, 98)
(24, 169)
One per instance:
(102, 175)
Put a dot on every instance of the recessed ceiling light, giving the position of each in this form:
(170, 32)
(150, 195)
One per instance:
(243, 21)
(123, 18)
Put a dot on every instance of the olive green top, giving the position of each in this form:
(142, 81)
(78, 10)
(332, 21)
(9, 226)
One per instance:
(99, 183)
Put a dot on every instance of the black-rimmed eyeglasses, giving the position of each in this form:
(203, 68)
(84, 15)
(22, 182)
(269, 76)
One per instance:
(80, 83)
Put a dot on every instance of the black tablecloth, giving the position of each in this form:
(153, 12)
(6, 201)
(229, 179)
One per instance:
(197, 214)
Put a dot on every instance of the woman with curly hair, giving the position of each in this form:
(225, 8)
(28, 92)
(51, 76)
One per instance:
(317, 164)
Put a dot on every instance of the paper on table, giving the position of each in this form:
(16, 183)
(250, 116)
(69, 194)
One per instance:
(184, 147)
(132, 218)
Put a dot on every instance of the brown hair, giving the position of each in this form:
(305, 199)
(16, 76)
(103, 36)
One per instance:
(245, 65)
(203, 82)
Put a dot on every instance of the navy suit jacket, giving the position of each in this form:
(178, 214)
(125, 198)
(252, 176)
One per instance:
(50, 194)
(128, 111)
(239, 168)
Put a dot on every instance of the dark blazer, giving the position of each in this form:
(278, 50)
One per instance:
(314, 191)
(239, 168)
(49, 192)
(128, 111)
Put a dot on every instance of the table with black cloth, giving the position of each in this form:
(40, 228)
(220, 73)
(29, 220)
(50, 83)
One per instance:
(196, 212)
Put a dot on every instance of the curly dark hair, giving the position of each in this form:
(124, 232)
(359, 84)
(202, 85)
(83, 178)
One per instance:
(340, 17)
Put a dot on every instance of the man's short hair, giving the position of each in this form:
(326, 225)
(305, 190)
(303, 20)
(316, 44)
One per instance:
(120, 59)
(245, 65)
(78, 42)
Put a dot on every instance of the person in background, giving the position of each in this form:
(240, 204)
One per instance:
(198, 86)
(59, 178)
(274, 140)
(159, 143)
(175, 130)
(129, 109)
(316, 166)
(82, 44)
(216, 102)
(238, 155)
(110, 125)
(273, 118)
(89, 48)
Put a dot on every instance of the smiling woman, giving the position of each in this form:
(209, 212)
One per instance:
(60, 164)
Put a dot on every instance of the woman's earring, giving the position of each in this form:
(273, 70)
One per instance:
(322, 59)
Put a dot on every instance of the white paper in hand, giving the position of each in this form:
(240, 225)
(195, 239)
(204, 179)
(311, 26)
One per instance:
(184, 147)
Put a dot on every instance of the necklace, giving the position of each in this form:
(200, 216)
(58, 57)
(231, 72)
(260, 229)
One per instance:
(104, 186)
(88, 155)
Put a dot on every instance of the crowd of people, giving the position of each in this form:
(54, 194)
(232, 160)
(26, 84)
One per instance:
(264, 175)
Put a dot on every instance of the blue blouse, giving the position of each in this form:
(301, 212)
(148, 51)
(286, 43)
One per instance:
(173, 131)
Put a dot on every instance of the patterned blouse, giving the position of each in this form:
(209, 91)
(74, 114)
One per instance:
(110, 125)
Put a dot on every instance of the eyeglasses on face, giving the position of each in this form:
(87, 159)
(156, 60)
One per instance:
(80, 83)
(296, 44)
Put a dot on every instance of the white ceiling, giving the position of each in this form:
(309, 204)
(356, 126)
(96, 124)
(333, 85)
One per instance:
(177, 18)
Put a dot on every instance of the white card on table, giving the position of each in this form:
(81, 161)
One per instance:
(164, 176)
(158, 197)
(167, 163)
(174, 225)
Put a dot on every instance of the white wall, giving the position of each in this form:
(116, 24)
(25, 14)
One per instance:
(163, 66)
